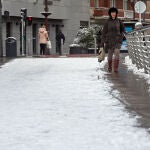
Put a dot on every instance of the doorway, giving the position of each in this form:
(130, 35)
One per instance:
(34, 38)
(57, 30)
(8, 29)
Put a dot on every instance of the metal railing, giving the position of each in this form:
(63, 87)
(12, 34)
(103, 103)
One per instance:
(138, 42)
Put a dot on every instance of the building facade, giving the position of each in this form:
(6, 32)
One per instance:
(99, 10)
(67, 15)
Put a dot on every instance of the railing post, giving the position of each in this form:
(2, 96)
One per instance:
(139, 48)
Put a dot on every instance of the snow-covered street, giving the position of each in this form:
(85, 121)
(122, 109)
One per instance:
(64, 104)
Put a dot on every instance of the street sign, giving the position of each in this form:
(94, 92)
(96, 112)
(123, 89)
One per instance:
(140, 7)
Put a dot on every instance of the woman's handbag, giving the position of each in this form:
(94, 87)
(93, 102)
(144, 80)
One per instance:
(101, 54)
(49, 45)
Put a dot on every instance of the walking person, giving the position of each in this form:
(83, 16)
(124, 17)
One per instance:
(43, 37)
(112, 36)
(60, 39)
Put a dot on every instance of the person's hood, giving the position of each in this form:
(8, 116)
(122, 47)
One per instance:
(41, 30)
(112, 9)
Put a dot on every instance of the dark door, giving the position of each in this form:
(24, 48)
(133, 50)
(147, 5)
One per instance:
(35, 38)
(57, 30)
(8, 29)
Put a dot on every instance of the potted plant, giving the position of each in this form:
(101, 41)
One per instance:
(84, 39)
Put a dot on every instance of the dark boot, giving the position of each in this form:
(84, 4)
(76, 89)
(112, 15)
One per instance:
(116, 64)
(109, 65)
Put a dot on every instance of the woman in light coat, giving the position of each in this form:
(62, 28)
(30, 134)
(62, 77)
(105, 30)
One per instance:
(43, 37)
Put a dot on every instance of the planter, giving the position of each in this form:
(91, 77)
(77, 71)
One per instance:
(78, 50)
(92, 50)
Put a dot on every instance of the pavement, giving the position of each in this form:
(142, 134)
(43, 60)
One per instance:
(134, 92)
(133, 89)
(4, 60)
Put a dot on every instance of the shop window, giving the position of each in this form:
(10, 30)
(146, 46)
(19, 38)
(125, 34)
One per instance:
(113, 3)
(125, 4)
(96, 3)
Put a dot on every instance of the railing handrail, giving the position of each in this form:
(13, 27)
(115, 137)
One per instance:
(138, 42)
(141, 29)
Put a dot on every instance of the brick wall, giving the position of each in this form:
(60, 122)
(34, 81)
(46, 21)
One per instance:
(92, 3)
(106, 3)
(119, 4)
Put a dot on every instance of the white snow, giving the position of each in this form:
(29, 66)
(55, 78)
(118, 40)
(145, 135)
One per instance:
(60, 104)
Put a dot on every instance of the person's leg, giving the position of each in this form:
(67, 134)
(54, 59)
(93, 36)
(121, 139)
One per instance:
(44, 49)
(59, 49)
(40, 49)
(110, 55)
(116, 59)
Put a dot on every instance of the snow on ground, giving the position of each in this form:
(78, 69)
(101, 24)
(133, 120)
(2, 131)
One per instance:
(60, 104)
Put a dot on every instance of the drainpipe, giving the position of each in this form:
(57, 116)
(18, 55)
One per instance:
(46, 13)
(46, 16)
(1, 43)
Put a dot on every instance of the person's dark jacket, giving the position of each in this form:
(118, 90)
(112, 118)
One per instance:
(112, 34)
(60, 36)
